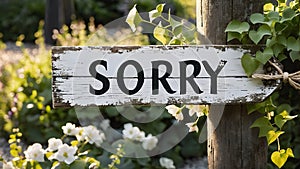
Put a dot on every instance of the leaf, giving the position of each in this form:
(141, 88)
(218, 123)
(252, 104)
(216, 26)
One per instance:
(272, 15)
(264, 126)
(281, 40)
(277, 49)
(272, 136)
(263, 57)
(257, 18)
(281, 57)
(290, 153)
(78, 164)
(279, 158)
(233, 35)
(161, 34)
(295, 55)
(256, 36)
(153, 15)
(237, 26)
(270, 42)
(188, 34)
(287, 14)
(260, 107)
(249, 63)
(293, 44)
(133, 19)
(286, 115)
(174, 23)
(268, 7)
(279, 121)
(160, 8)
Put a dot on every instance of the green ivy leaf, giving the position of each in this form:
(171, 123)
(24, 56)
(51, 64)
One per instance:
(287, 14)
(133, 19)
(272, 136)
(161, 34)
(233, 35)
(257, 18)
(237, 26)
(270, 42)
(249, 63)
(279, 121)
(281, 57)
(156, 12)
(263, 57)
(281, 40)
(293, 44)
(264, 126)
(272, 15)
(279, 158)
(178, 30)
(174, 23)
(188, 34)
(262, 31)
(78, 164)
(295, 55)
(153, 15)
(277, 49)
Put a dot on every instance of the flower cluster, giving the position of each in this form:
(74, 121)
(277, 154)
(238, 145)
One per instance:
(60, 152)
(135, 134)
(199, 110)
(167, 163)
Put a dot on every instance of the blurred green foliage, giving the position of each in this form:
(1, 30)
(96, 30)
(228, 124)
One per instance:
(22, 16)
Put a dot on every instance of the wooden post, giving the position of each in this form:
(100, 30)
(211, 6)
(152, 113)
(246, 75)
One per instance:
(58, 12)
(233, 145)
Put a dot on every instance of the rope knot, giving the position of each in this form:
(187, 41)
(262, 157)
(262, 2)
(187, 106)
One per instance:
(285, 77)
(292, 78)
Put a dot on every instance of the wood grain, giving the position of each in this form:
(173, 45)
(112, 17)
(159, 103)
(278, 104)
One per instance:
(72, 79)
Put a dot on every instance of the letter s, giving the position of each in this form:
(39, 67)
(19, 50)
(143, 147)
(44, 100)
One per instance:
(98, 76)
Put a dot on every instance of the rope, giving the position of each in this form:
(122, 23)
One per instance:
(292, 78)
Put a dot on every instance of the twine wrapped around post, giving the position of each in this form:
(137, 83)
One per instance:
(292, 78)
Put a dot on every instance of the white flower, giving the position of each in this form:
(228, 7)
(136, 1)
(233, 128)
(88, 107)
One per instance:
(192, 127)
(65, 154)
(166, 163)
(80, 136)
(175, 111)
(104, 124)
(132, 133)
(149, 142)
(8, 165)
(35, 152)
(200, 110)
(93, 135)
(70, 129)
(53, 144)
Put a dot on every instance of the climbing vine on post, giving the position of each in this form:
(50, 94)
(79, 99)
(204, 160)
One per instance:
(277, 31)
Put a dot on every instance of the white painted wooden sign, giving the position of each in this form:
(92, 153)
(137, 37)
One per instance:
(84, 76)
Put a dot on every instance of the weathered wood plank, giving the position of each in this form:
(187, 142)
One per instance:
(72, 78)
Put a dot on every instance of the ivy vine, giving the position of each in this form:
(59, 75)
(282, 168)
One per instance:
(278, 31)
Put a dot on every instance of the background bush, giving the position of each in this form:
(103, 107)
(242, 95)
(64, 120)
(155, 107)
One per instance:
(22, 16)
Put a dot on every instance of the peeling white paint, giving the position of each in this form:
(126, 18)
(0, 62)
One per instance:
(72, 77)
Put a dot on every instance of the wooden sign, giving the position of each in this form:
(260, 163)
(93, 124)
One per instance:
(85, 76)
